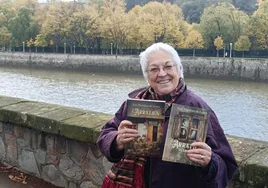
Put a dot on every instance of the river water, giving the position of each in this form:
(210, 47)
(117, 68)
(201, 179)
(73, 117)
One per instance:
(242, 107)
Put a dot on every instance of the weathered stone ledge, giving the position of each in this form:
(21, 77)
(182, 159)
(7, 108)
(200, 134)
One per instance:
(50, 118)
(58, 144)
(201, 67)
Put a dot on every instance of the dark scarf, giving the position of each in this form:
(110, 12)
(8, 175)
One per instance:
(129, 171)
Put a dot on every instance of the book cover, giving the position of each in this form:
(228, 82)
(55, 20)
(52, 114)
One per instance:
(186, 125)
(147, 117)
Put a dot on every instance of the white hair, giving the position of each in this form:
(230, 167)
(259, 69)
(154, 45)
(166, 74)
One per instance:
(156, 48)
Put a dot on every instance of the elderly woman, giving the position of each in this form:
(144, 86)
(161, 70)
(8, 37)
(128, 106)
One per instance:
(162, 68)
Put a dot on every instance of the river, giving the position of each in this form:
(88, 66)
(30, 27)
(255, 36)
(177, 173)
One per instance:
(242, 107)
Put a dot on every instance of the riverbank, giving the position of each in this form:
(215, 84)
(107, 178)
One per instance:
(197, 67)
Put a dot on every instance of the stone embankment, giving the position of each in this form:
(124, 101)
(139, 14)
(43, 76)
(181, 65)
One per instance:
(58, 144)
(201, 67)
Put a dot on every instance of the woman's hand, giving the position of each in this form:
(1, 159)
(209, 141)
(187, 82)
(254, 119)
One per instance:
(201, 153)
(124, 134)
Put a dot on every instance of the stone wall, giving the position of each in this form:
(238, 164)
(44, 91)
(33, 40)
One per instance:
(216, 68)
(58, 144)
(55, 143)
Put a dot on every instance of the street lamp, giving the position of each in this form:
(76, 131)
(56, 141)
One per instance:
(231, 45)
(23, 46)
(111, 48)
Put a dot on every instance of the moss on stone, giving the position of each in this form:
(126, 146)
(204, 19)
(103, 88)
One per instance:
(84, 127)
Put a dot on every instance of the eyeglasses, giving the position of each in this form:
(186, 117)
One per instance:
(155, 70)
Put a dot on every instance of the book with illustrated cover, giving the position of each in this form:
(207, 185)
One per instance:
(147, 117)
(186, 125)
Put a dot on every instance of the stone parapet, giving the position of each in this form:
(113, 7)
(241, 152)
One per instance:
(206, 67)
(58, 144)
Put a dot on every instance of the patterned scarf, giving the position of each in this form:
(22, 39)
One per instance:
(169, 98)
(129, 171)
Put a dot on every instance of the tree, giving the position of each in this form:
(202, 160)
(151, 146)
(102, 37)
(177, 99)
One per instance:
(7, 12)
(29, 44)
(177, 28)
(115, 24)
(194, 40)
(22, 26)
(218, 43)
(159, 22)
(57, 23)
(258, 27)
(85, 26)
(137, 35)
(224, 20)
(242, 44)
(40, 41)
(5, 37)
(193, 9)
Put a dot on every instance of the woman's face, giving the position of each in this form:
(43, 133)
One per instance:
(163, 75)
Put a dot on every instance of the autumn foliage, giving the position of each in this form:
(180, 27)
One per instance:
(103, 23)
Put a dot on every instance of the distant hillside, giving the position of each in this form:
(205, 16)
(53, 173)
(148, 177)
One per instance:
(193, 9)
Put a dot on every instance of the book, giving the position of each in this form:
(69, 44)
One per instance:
(186, 125)
(147, 117)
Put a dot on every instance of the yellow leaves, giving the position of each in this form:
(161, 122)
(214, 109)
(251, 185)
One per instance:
(26, 3)
(194, 40)
(242, 44)
(263, 6)
(218, 43)
(30, 42)
(40, 41)
(258, 26)
(5, 36)
(155, 22)
(18, 179)
(114, 22)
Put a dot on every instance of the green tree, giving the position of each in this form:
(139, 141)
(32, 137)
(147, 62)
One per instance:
(7, 12)
(242, 44)
(193, 9)
(218, 43)
(22, 26)
(225, 20)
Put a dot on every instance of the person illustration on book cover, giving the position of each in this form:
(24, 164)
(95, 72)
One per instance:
(185, 122)
(193, 134)
(183, 133)
(195, 123)
(162, 69)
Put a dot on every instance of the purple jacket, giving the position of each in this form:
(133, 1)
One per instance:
(166, 174)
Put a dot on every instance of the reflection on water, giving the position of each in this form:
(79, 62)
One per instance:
(242, 107)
